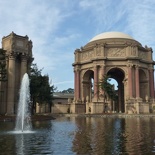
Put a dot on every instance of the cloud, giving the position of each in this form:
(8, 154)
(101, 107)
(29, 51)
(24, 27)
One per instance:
(41, 21)
(133, 17)
(141, 19)
(106, 14)
(58, 27)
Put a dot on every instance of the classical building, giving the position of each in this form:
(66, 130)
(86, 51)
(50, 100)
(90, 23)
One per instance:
(18, 57)
(61, 104)
(122, 58)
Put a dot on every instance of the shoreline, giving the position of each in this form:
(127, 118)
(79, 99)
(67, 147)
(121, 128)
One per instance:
(11, 118)
(49, 116)
(120, 115)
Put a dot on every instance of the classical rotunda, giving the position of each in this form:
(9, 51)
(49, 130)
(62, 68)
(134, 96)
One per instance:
(124, 59)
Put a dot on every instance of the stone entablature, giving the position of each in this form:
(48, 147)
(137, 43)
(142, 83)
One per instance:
(111, 49)
(17, 44)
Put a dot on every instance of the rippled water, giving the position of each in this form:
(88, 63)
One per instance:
(80, 135)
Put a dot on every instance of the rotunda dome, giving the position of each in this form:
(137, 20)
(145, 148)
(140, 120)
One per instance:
(111, 35)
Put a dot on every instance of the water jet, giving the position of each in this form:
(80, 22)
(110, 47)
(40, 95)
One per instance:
(23, 118)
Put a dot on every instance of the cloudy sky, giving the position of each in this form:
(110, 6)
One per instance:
(58, 27)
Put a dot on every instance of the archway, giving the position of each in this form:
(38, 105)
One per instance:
(143, 82)
(88, 85)
(118, 75)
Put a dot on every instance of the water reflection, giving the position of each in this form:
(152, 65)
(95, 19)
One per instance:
(80, 135)
(114, 136)
(20, 144)
(153, 147)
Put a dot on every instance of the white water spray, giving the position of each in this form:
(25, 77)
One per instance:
(23, 118)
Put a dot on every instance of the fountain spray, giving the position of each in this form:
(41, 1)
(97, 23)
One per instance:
(23, 122)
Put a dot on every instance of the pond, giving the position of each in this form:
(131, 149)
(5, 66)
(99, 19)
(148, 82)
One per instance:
(81, 135)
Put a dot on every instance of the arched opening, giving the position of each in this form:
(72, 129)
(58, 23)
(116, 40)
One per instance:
(113, 82)
(88, 85)
(118, 75)
(143, 83)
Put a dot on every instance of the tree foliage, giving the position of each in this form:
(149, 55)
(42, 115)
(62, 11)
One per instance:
(107, 88)
(3, 71)
(40, 88)
(69, 90)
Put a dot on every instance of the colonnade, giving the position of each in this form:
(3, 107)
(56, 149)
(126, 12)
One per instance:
(134, 70)
(132, 89)
(12, 75)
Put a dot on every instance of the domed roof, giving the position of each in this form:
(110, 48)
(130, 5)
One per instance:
(110, 35)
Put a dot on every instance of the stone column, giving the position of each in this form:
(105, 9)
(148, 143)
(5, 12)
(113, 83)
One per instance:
(137, 81)
(102, 72)
(75, 81)
(11, 84)
(95, 82)
(23, 66)
(78, 84)
(119, 97)
(130, 84)
(151, 82)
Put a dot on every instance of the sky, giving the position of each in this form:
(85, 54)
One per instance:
(58, 27)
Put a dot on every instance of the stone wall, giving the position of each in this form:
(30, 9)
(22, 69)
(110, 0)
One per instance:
(60, 108)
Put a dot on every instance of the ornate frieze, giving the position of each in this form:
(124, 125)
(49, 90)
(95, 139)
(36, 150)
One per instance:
(19, 43)
(98, 52)
(133, 51)
(142, 55)
(116, 52)
(87, 55)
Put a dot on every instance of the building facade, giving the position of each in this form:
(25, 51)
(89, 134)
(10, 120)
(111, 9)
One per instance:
(18, 56)
(122, 58)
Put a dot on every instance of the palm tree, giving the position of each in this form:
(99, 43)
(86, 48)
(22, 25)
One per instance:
(107, 90)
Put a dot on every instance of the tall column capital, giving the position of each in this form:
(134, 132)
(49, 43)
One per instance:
(11, 56)
(95, 66)
(102, 65)
(77, 68)
(129, 65)
(137, 66)
(151, 69)
(24, 58)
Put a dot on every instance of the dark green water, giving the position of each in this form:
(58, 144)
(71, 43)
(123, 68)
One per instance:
(82, 136)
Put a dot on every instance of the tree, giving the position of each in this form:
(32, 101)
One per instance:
(3, 71)
(107, 88)
(40, 88)
(69, 90)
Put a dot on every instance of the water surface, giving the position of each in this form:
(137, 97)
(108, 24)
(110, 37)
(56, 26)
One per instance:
(81, 135)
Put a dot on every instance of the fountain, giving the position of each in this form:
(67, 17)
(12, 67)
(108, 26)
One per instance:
(23, 118)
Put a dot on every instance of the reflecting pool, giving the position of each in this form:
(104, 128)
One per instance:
(81, 135)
